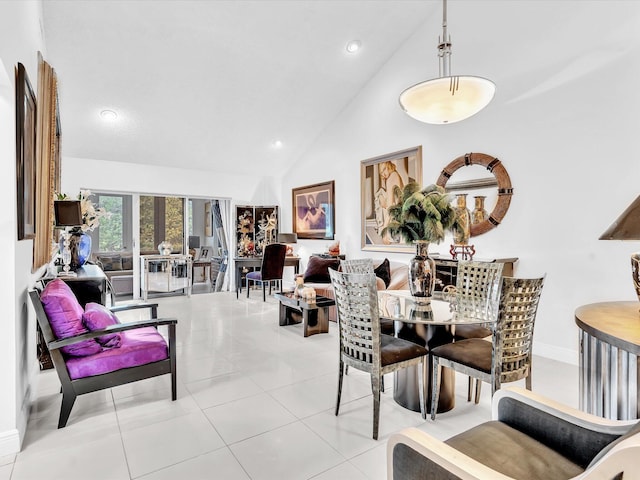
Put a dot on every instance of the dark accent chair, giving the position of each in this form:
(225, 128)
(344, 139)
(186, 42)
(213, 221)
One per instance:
(363, 347)
(110, 367)
(529, 438)
(507, 358)
(271, 269)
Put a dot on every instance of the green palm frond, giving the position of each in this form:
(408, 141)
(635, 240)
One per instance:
(425, 214)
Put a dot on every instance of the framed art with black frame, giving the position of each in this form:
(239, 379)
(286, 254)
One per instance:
(314, 211)
(25, 154)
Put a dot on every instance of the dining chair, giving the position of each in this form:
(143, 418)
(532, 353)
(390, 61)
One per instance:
(357, 265)
(507, 358)
(271, 269)
(475, 281)
(363, 347)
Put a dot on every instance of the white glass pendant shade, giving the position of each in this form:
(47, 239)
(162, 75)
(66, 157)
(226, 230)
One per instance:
(447, 100)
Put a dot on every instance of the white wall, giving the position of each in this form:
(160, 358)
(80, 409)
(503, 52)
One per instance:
(569, 147)
(20, 39)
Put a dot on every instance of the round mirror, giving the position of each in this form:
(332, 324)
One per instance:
(473, 181)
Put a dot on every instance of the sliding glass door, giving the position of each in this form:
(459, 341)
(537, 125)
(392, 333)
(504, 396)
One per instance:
(162, 219)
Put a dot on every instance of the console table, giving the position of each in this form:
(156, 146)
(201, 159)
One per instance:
(447, 269)
(256, 262)
(165, 273)
(609, 365)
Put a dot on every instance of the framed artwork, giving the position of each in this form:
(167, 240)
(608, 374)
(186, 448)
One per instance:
(204, 254)
(25, 154)
(314, 211)
(379, 178)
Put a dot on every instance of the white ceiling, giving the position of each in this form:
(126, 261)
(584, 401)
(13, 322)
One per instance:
(211, 84)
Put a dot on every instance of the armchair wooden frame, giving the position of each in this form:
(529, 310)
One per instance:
(72, 388)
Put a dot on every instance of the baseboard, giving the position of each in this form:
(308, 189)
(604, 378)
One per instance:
(9, 442)
(554, 352)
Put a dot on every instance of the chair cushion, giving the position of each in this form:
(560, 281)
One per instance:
(318, 269)
(254, 275)
(394, 350)
(383, 271)
(110, 263)
(473, 352)
(472, 331)
(97, 317)
(65, 317)
(513, 453)
(137, 347)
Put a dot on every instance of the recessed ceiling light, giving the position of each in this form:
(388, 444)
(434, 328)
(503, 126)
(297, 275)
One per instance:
(277, 144)
(108, 115)
(353, 46)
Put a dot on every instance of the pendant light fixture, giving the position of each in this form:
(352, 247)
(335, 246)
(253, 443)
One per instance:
(448, 98)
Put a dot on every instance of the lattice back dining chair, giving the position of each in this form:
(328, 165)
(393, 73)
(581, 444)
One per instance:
(476, 283)
(363, 347)
(271, 270)
(357, 265)
(507, 358)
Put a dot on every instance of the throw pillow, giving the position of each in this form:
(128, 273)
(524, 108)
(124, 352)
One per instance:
(127, 262)
(65, 317)
(383, 271)
(97, 317)
(318, 269)
(110, 263)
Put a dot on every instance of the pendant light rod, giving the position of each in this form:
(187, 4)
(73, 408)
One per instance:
(448, 98)
(444, 45)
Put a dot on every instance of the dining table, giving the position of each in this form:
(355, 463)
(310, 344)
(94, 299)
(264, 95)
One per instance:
(430, 323)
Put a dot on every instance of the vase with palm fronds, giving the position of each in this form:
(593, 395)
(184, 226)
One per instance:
(421, 217)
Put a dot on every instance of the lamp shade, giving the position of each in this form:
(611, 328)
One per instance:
(626, 226)
(447, 100)
(287, 238)
(67, 213)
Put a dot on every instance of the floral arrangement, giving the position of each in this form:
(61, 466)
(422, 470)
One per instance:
(90, 213)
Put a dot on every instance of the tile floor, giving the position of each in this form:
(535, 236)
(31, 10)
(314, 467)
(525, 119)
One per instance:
(255, 401)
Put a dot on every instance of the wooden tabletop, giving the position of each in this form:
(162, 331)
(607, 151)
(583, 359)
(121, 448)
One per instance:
(616, 323)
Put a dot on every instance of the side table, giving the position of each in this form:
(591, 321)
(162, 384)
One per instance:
(609, 359)
(314, 314)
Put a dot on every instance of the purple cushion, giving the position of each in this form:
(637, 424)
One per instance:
(97, 317)
(65, 317)
(137, 347)
(254, 275)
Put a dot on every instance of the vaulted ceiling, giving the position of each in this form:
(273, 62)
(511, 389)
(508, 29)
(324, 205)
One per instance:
(213, 84)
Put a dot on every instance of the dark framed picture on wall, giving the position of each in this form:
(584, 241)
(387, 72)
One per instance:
(379, 178)
(314, 211)
(25, 154)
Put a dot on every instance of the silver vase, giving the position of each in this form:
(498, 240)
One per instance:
(422, 272)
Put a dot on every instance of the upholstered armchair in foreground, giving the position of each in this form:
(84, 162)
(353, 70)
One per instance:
(529, 438)
(91, 350)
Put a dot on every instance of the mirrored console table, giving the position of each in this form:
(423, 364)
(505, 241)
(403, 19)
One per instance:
(165, 273)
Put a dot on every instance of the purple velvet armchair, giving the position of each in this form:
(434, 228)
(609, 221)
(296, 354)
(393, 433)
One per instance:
(91, 350)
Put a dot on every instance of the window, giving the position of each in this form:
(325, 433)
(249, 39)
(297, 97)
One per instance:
(115, 231)
(161, 219)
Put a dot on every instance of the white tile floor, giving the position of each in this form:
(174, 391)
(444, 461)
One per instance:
(255, 401)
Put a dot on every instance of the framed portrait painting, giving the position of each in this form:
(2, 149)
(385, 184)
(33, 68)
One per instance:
(314, 211)
(379, 178)
(25, 154)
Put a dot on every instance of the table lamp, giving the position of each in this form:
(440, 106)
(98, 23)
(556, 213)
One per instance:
(67, 214)
(627, 227)
(289, 239)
